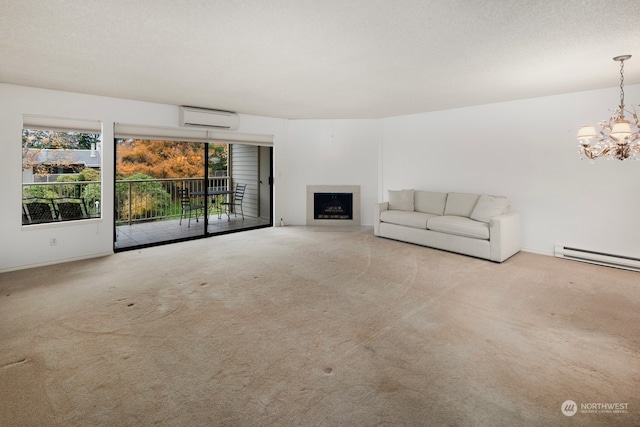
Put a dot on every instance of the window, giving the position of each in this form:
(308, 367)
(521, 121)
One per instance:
(61, 170)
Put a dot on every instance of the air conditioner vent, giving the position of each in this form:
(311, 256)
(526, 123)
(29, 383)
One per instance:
(202, 117)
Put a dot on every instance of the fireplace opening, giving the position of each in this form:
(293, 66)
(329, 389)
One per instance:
(333, 206)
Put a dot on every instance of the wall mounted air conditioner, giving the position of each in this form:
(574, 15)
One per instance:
(202, 117)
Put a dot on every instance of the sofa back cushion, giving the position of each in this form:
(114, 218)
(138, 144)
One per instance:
(430, 202)
(401, 200)
(461, 204)
(489, 206)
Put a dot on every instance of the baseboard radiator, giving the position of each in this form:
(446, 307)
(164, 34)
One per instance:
(600, 258)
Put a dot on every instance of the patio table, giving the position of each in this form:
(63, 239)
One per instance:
(214, 194)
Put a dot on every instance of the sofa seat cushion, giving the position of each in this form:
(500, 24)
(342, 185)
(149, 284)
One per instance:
(408, 219)
(460, 226)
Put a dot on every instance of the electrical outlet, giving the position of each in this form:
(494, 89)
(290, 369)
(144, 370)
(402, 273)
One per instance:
(53, 241)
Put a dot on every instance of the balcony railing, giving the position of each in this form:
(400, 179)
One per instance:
(158, 199)
(135, 200)
(54, 201)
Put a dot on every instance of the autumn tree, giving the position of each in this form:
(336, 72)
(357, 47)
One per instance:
(148, 160)
(160, 159)
(48, 139)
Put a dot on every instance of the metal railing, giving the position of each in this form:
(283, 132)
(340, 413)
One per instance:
(135, 200)
(158, 199)
(90, 191)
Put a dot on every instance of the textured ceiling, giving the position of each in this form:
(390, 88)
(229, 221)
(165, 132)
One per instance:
(319, 58)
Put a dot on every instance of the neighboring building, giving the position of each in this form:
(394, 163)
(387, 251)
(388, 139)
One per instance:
(49, 164)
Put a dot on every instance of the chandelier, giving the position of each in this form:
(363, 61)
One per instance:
(618, 138)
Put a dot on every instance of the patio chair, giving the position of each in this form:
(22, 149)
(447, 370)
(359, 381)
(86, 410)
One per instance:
(188, 208)
(70, 208)
(235, 201)
(37, 211)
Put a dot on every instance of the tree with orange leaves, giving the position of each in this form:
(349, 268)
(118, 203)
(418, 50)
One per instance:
(159, 159)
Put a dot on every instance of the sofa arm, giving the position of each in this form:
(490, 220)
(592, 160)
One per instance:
(378, 208)
(505, 235)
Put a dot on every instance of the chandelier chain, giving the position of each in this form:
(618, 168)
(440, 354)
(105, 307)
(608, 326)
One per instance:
(622, 89)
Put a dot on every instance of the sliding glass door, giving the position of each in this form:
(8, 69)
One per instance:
(244, 200)
(170, 190)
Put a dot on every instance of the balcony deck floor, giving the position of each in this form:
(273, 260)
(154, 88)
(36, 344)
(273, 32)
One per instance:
(155, 232)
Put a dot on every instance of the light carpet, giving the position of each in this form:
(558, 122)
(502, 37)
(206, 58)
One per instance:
(303, 326)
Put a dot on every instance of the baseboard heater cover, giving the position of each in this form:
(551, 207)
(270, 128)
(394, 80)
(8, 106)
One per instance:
(600, 258)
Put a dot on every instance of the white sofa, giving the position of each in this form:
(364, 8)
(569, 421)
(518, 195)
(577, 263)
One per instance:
(478, 225)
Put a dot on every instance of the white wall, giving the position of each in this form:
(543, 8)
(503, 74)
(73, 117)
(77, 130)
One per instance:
(525, 150)
(331, 152)
(29, 246)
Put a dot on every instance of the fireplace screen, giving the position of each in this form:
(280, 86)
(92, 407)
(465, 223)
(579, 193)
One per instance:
(333, 205)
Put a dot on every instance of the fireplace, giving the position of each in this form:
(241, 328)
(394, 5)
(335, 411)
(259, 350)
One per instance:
(338, 206)
(333, 205)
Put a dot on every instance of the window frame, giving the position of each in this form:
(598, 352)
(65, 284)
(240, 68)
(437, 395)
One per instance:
(35, 188)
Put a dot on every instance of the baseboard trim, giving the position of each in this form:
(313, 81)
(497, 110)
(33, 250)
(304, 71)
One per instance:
(54, 262)
(537, 251)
